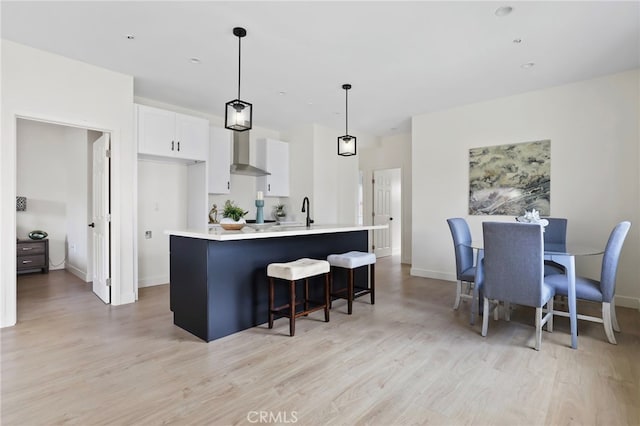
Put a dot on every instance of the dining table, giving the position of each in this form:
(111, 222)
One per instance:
(563, 254)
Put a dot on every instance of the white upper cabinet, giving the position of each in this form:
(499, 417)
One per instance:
(170, 134)
(220, 160)
(273, 156)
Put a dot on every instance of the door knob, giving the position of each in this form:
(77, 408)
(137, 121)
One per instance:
(390, 218)
(92, 225)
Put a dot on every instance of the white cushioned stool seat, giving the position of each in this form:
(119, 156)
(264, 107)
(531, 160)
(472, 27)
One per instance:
(298, 269)
(290, 272)
(352, 259)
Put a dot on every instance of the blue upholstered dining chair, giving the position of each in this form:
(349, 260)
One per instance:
(602, 291)
(465, 269)
(513, 271)
(555, 233)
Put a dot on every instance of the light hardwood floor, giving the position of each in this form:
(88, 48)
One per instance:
(408, 359)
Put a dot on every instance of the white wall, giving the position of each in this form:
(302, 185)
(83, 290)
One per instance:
(48, 87)
(301, 171)
(162, 201)
(335, 179)
(594, 133)
(390, 152)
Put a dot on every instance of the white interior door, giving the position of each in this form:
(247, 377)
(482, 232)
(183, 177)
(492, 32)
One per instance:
(101, 219)
(382, 186)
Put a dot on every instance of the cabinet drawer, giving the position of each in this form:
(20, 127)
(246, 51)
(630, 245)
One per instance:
(27, 249)
(30, 262)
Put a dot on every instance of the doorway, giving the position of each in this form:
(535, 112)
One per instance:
(55, 174)
(387, 210)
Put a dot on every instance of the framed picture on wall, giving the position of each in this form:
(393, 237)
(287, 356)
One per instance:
(509, 179)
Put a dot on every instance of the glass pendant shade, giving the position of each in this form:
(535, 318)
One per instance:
(346, 145)
(238, 115)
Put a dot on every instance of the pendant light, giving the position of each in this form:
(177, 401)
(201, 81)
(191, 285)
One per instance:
(346, 143)
(238, 113)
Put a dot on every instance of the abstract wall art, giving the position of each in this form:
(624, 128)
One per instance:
(509, 179)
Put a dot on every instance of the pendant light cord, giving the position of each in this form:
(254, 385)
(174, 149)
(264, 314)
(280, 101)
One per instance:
(239, 56)
(346, 107)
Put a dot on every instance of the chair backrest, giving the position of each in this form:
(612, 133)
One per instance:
(556, 231)
(513, 262)
(461, 236)
(610, 260)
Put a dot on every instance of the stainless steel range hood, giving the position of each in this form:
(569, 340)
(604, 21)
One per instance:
(240, 165)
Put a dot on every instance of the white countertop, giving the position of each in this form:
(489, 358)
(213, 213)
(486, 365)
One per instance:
(249, 233)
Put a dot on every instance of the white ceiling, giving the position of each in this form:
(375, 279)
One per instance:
(402, 58)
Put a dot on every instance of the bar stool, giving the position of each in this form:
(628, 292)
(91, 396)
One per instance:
(352, 260)
(292, 271)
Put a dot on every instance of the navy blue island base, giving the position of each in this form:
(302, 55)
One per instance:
(218, 288)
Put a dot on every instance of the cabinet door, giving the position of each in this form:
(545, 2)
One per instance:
(192, 138)
(219, 160)
(155, 131)
(273, 156)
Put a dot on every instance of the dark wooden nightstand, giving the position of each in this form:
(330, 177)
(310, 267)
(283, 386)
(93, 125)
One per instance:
(33, 254)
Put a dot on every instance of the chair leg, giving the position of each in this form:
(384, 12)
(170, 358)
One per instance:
(372, 275)
(507, 311)
(271, 285)
(550, 313)
(327, 297)
(614, 318)
(331, 271)
(485, 317)
(606, 319)
(538, 328)
(306, 295)
(456, 303)
(496, 311)
(350, 293)
(292, 308)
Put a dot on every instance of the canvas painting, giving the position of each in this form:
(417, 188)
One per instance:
(509, 179)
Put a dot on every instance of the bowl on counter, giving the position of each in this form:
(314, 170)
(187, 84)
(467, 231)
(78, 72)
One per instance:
(231, 225)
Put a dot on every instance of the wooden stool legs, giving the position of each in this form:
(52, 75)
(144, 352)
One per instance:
(289, 310)
(350, 289)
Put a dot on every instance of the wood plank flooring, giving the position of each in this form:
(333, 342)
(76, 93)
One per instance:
(408, 359)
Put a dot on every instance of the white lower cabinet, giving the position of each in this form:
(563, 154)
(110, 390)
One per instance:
(273, 156)
(219, 160)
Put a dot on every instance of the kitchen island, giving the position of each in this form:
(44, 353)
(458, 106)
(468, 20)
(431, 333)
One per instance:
(218, 283)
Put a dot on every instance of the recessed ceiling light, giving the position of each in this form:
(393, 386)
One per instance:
(282, 93)
(309, 103)
(130, 37)
(517, 40)
(503, 10)
(194, 60)
(528, 65)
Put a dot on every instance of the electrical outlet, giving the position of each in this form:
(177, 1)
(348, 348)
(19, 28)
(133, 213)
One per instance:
(72, 248)
(147, 234)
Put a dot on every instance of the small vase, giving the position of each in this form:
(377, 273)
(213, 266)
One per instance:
(229, 224)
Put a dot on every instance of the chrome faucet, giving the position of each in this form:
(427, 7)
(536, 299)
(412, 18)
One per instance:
(307, 210)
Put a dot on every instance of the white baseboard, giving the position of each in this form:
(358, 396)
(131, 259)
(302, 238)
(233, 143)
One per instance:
(151, 281)
(436, 275)
(628, 302)
(622, 301)
(77, 272)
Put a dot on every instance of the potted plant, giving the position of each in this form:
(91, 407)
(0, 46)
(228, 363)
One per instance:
(232, 217)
